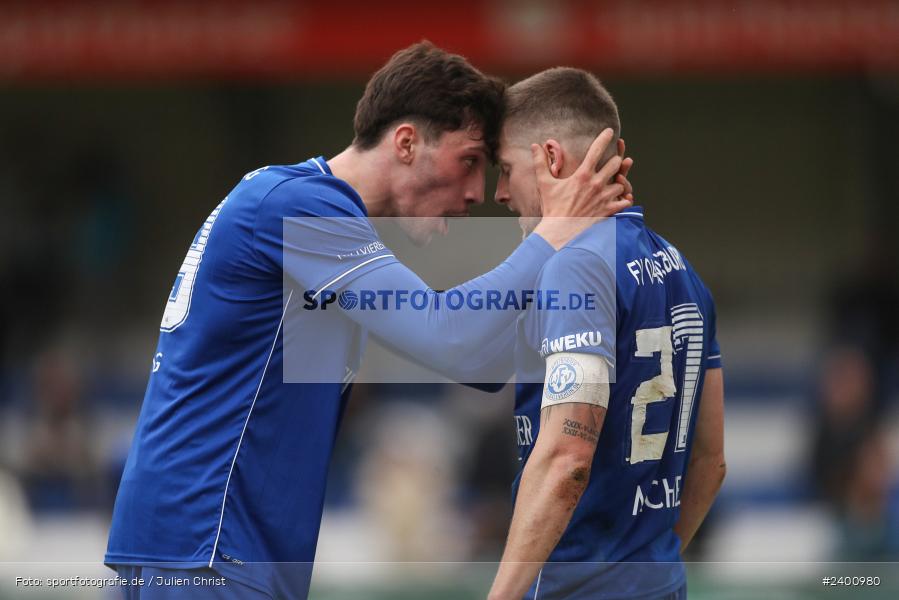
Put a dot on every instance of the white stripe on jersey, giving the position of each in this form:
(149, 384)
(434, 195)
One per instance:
(342, 275)
(244, 430)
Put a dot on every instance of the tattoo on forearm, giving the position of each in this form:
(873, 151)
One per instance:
(582, 430)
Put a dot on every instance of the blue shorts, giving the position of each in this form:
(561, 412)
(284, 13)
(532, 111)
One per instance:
(183, 584)
(609, 581)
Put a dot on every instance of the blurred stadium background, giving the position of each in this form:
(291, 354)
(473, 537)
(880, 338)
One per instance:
(766, 140)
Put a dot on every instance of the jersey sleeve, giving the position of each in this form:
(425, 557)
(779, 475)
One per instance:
(311, 230)
(323, 242)
(584, 320)
(471, 343)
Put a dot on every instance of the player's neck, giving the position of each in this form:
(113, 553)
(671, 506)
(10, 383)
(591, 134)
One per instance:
(365, 173)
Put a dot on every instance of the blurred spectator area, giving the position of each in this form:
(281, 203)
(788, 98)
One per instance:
(765, 139)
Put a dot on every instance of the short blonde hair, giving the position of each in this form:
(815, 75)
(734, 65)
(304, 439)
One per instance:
(563, 102)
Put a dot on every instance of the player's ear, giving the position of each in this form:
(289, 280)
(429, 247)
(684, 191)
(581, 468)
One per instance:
(556, 159)
(404, 138)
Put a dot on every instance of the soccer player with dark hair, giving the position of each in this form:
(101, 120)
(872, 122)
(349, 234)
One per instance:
(226, 475)
(622, 444)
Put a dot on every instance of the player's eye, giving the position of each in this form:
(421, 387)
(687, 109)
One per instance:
(469, 161)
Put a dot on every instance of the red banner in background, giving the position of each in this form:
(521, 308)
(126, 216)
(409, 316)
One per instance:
(51, 41)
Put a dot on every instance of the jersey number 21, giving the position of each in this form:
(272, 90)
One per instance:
(686, 333)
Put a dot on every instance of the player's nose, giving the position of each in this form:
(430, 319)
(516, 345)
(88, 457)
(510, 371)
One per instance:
(501, 196)
(475, 195)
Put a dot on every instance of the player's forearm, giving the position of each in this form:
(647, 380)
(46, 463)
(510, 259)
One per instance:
(445, 331)
(451, 348)
(703, 479)
(550, 489)
(490, 362)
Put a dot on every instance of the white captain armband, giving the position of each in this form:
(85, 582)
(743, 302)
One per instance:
(576, 377)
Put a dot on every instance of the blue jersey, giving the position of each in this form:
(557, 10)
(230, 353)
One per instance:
(228, 462)
(250, 377)
(654, 323)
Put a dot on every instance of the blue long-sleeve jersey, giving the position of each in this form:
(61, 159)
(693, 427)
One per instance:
(654, 322)
(229, 459)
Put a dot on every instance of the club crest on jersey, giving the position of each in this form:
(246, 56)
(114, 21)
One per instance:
(564, 379)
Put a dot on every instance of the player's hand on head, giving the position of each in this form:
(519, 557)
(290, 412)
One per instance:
(588, 192)
(586, 195)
